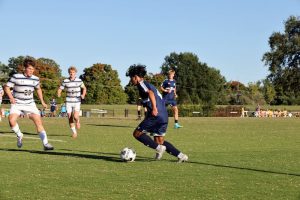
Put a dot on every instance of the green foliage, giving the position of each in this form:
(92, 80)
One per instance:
(283, 60)
(103, 85)
(196, 81)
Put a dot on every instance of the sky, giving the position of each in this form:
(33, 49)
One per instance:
(229, 35)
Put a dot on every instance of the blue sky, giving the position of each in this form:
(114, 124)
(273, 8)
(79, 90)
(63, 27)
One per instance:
(230, 35)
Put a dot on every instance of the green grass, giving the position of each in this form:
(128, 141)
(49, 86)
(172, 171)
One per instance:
(230, 158)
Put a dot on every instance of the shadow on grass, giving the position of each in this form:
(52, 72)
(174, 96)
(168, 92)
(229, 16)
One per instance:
(112, 158)
(109, 125)
(246, 168)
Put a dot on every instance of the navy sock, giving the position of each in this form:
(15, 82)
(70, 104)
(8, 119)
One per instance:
(146, 140)
(171, 149)
(176, 121)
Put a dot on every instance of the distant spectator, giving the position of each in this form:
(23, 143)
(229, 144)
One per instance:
(53, 108)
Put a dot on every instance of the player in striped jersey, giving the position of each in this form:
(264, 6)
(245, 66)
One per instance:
(22, 102)
(76, 91)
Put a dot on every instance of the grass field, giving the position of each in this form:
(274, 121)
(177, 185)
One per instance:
(230, 158)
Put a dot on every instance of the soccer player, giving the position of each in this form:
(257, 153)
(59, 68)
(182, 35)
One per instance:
(1, 95)
(169, 94)
(156, 121)
(22, 101)
(76, 91)
(139, 105)
(53, 107)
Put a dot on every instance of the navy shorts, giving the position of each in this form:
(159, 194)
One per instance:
(157, 126)
(170, 102)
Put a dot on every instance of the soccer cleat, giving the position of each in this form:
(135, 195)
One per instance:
(182, 158)
(160, 151)
(176, 125)
(48, 146)
(19, 141)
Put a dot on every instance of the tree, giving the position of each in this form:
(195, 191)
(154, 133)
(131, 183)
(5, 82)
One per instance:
(283, 60)
(103, 85)
(4, 73)
(46, 69)
(197, 83)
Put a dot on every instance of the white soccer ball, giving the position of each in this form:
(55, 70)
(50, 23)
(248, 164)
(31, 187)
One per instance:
(128, 154)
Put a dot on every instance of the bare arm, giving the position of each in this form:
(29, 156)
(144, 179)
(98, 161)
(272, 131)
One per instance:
(153, 102)
(83, 92)
(9, 94)
(40, 95)
(59, 92)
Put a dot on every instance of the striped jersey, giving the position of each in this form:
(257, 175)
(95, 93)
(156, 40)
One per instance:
(73, 88)
(23, 87)
(1, 92)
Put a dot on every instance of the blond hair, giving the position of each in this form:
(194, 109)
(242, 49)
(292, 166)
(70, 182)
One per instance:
(171, 71)
(72, 68)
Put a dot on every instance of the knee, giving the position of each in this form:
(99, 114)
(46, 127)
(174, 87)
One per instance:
(137, 133)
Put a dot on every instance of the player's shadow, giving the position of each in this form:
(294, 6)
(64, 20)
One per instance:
(113, 158)
(246, 168)
(109, 125)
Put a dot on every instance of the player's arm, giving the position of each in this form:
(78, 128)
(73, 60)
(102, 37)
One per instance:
(59, 92)
(40, 95)
(83, 88)
(9, 94)
(153, 102)
(175, 92)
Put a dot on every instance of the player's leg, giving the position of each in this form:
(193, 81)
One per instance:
(76, 115)
(139, 112)
(70, 115)
(139, 133)
(12, 119)
(36, 118)
(175, 113)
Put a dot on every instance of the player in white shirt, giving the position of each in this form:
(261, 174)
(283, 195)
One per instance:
(76, 91)
(1, 95)
(22, 102)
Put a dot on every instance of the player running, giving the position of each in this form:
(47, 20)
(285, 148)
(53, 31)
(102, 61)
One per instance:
(156, 121)
(76, 91)
(22, 102)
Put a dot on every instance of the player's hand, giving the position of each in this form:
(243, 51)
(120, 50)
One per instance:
(12, 101)
(44, 105)
(154, 112)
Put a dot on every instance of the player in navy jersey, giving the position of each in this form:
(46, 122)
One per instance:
(76, 91)
(156, 121)
(22, 102)
(168, 88)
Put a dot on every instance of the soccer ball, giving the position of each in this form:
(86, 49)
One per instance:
(128, 154)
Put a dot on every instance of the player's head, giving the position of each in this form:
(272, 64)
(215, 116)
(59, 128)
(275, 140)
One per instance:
(171, 73)
(136, 73)
(29, 65)
(72, 72)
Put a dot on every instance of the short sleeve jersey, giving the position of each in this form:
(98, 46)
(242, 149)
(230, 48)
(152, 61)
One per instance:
(144, 88)
(73, 88)
(169, 84)
(23, 87)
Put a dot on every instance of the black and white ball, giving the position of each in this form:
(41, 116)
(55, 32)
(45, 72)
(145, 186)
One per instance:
(127, 154)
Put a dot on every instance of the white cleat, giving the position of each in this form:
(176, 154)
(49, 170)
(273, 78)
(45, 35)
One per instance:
(160, 151)
(182, 158)
(19, 141)
(48, 146)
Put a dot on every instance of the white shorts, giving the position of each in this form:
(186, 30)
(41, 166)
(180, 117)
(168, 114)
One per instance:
(73, 107)
(24, 108)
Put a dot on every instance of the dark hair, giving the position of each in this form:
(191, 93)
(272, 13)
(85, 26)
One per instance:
(139, 70)
(28, 61)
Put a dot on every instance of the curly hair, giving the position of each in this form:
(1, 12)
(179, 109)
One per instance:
(28, 62)
(139, 70)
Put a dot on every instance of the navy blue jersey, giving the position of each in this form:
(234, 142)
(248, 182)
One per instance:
(170, 85)
(144, 88)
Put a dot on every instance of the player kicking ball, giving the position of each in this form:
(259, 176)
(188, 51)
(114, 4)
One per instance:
(22, 102)
(156, 121)
(76, 91)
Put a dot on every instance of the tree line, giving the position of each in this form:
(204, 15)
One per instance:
(197, 82)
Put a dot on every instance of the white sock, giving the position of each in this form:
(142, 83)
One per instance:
(73, 130)
(180, 155)
(17, 130)
(43, 137)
